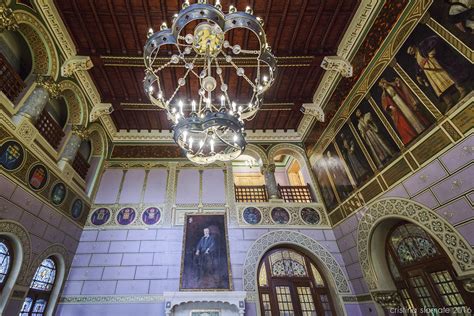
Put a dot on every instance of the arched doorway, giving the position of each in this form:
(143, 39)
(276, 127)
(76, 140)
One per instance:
(422, 272)
(290, 283)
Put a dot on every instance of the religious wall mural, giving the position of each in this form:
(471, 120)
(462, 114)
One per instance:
(353, 156)
(441, 72)
(337, 172)
(205, 263)
(404, 111)
(325, 187)
(374, 135)
(457, 16)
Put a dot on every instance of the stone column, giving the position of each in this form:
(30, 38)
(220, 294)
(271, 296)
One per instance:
(34, 105)
(268, 172)
(72, 146)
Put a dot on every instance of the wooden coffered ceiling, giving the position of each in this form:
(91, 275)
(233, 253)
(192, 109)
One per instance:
(113, 33)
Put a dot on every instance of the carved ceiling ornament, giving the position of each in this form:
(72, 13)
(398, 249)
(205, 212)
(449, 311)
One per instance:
(282, 237)
(100, 110)
(337, 64)
(451, 241)
(10, 228)
(76, 63)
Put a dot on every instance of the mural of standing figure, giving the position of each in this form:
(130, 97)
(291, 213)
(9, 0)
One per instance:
(461, 14)
(403, 107)
(369, 131)
(339, 175)
(358, 168)
(437, 71)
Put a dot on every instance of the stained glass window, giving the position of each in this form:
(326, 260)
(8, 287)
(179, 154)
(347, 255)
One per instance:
(411, 244)
(262, 277)
(26, 307)
(44, 276)
(286, 263)
(5, 259)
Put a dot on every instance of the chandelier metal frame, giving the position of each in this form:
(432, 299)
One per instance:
(211, 129)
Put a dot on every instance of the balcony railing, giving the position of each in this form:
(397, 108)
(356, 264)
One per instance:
(81, 166)
(254, 193)
(296, 194)
(10, 82)
(49, 129)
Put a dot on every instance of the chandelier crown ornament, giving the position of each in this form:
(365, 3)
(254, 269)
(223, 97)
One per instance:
(208, 126)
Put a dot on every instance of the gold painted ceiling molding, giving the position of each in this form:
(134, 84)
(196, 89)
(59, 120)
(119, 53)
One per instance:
(360, 23)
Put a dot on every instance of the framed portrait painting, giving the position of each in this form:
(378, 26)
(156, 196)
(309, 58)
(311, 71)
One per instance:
(205, 263)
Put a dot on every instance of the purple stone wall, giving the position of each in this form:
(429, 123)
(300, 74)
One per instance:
(442, 185)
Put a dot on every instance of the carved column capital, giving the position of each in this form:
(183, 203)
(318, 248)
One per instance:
(387, 299)
(8, 21)
(50, 85)
(314, 110)
(338, 64)
(76, 63)
(80, 131)
(267, 168)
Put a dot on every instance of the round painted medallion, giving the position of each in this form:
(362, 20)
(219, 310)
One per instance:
(100, 216)
(310, 215)
(125, 216)
(280, 215)
(252, 215)
(38, 177)
(76, 208)
(151, 215)
(58, 193)
(11, 155)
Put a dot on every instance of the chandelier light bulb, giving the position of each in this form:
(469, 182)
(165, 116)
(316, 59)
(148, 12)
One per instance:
(191, 143)
(248, 10)
(232, 9)
(218, 5)
(222, 100)
(265, 79)
(212, 145)
(163, 26)
(185, 135)
(160, 95)
(150, 32)
(180, 104)
(234, 106)
(193, 105)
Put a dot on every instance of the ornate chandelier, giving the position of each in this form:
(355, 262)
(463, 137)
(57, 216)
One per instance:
(209, 124)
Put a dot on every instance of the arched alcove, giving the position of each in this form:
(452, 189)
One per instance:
(381, 216)
(328, 265)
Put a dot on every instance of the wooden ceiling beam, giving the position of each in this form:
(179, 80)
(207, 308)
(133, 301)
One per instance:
(280, 27)
(147, 13)
(77, 13)
(331, 23)
(99, 26)
(117, 27)
(131, 19)
(118, 76)
(298, 24)
(313, 26)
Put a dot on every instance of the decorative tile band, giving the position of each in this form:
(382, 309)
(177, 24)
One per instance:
(111, 299)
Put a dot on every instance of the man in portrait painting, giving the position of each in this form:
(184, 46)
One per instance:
(204, 255)
(438, 71)
(380, 150)
(403, 107)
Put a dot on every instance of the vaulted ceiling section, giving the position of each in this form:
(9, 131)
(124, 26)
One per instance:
(113, 33)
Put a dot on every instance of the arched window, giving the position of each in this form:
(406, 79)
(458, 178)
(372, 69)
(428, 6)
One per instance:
(422, 272)
(5, 261)
(40, 289)
(289, 283)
